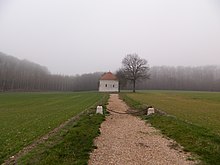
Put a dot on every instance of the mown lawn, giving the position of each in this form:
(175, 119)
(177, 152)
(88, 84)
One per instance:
(193, 119)
(27, 116)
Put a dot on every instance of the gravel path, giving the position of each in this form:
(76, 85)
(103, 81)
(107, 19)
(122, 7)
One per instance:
(128, 140)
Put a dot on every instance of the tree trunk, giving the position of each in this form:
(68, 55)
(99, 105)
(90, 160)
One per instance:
(119, 87)
(134, 86)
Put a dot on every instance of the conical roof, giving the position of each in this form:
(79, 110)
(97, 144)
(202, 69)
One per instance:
(108, 76)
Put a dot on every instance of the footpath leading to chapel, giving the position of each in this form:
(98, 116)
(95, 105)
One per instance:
(128, 140)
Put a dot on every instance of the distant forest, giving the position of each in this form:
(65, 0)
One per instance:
(201, 78)
(23, 75)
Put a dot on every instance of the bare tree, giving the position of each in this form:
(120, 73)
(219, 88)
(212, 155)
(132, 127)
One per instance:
(135, 69)
(121, 77)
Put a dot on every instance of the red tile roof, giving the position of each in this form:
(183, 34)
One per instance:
(108, 76)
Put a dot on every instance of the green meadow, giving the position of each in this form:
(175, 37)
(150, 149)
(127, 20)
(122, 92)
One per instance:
(199, 108)
(71, 145)
(193, 119)
(25, 117)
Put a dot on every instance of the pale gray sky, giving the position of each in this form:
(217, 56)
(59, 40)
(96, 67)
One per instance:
(80, 36)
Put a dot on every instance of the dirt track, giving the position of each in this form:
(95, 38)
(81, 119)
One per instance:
(128, 140)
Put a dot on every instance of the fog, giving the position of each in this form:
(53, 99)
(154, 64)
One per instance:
(81, 36)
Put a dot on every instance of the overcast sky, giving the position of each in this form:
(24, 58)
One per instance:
(81, 36)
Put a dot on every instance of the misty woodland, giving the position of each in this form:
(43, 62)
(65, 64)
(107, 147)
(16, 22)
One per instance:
(23, 75)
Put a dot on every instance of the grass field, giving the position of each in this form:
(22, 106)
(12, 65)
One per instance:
(27, 116)
(193, 119)
(71, 145)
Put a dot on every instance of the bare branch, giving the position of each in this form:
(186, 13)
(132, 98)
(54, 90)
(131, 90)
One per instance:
(135, 68)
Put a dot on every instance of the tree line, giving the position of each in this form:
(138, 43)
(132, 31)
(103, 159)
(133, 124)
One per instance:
(136, 70)
(23, 75)
(200, 78)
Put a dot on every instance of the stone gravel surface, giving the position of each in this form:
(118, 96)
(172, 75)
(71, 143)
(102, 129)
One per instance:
(128, 140)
